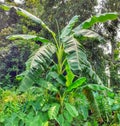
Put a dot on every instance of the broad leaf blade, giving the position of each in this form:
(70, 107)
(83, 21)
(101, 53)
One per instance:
(96, 19)
(70, 76)
(47, 85)
(76, 84)
(96, 87)
(26, 83)
(68, 116)
(53, 111)
(42, 57)
(5, 7)
(71, 109)
(61, 120)
(58, 78)
(76, 57)
(67, 30)
(27, 37)
(84, 34)
(36, 65)
(93, 75)
(84, 111)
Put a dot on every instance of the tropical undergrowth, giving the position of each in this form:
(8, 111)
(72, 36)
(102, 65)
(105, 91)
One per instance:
(34, 108)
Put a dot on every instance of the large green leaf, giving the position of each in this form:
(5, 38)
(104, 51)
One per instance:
(76, 84)
(5, 7)
(36, 120)
(26, 82)
(84, 34)
(76, 57)
(53, 111)
(12, 120)
(96, 19)
(36, 65)
(96, 87)
(93, 103)
(26, 14)
(67, 30)
(68, 116)
(71, 109)
(84, 111)
(28, 37)
(62, 121)
(47, 85)
(57, 78)
(93, 75)
(42, 57)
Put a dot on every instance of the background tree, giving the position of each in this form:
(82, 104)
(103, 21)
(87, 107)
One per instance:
(14, 54)
(63, 10)
(110, 32)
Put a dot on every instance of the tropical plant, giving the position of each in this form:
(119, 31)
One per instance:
(57, 68)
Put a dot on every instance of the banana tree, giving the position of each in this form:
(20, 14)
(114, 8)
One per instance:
(64, 75)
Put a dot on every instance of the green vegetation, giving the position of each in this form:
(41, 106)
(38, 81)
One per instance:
(59, 86)
(37, 107)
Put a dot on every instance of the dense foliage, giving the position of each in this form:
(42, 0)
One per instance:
(19, 110)
(59, 85)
